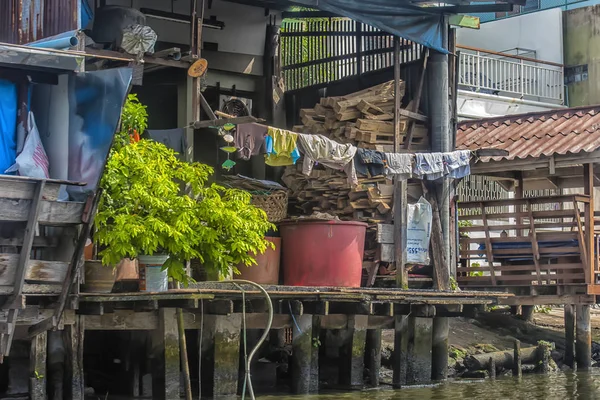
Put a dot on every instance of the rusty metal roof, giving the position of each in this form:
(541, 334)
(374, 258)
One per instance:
(569, 130)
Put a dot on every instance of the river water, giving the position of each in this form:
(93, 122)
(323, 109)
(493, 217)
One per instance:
(583, 386)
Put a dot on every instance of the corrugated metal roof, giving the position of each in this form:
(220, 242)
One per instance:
(24, 21)
(569, 130)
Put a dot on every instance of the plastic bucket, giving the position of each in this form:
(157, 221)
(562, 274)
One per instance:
(266, 270)
(323, 253)
(152, 279)
(98, 278)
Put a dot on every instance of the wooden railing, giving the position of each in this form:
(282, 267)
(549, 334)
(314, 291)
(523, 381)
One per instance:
(526, 247)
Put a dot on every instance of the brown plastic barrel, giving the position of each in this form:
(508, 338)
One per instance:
(322, 253)
(266, 270)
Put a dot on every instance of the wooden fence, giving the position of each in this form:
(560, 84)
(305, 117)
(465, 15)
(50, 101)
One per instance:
(320, 50)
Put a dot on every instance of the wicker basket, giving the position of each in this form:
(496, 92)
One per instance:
(274, 204)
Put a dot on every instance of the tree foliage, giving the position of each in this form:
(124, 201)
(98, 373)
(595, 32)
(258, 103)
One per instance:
(134, 121)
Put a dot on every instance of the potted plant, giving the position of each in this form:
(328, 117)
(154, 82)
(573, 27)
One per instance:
(98, 278)
(144, 212)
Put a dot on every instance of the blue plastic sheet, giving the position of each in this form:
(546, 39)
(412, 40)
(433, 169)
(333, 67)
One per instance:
(95, 102)
(398, 17)
(8, 124)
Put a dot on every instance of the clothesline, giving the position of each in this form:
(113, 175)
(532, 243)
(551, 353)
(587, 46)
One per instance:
(282, 147)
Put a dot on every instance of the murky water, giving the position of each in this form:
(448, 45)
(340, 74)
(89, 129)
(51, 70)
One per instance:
(583, 386)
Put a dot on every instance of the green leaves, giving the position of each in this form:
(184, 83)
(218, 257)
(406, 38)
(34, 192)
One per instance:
(144, 211)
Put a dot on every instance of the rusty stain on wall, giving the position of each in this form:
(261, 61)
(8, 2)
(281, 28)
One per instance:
(24, 21)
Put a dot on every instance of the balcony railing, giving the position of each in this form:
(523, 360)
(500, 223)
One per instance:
(507, 75)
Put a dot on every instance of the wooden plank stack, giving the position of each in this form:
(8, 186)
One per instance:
(364, 118)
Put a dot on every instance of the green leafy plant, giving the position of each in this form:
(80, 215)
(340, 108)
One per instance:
(144, 211)
(476, 273)
(542, 309)
(134, 121)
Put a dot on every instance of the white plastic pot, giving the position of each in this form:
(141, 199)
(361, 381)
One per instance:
(152, 278)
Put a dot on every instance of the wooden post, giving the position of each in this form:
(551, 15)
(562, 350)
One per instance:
(544, 350)
(75, 334)
(165, 351)
(583, 343)
(400, 186)
(373, 358)
(37, 367)
(302, 354)
(221, 355)
(401, 339)
(439, 349)
(569, 334)
(492, 368)
(588, 182)
(527, 313)
(517, 359)
(353, 352)
(314, 361)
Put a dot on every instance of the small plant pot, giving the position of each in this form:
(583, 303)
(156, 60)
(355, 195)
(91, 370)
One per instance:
(266, 270)
(152, 278)
(98, 278)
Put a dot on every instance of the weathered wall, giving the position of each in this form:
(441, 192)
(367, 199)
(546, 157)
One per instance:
(582, 47)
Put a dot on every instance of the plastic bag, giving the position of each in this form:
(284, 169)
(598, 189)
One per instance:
(418, 232)
(32, 161)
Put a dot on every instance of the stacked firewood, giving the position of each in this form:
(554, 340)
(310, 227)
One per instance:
(364, 118)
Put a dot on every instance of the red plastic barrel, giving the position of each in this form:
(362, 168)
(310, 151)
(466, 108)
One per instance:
(322, 253)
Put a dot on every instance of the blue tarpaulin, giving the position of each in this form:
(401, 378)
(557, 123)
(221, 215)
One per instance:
(398, 17)
(8, 124)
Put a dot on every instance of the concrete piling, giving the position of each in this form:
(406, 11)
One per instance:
(352, 352)
(583, 340)
(373, 355)
(439, 350)
(302, 350)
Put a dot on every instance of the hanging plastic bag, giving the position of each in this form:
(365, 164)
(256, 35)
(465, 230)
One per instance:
(418, 232)
(32, 161)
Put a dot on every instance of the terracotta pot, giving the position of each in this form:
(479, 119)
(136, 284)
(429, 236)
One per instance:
(266, 270)
(98, 278)
(127, 270)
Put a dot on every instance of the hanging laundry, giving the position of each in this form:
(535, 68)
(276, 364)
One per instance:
(429, 166)
(398, 165)
(172, 138)
(250, 139)
(369, 162)
(281, 147)
(318, 148)
(457, 164)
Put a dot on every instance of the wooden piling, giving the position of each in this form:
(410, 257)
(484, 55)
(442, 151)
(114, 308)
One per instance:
(492, 368)
(220, 352)
(165, 356)
(353, 352)
(517, 371)
(583, 343)
(37, 367)
(527, 313)
(439, 349)
(302, 354)
(75, 335)
(401, 339)
(314, 361)
(544, 350)
(569, 334)
(373, 355)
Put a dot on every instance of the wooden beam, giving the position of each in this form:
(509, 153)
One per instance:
(36, 271)
(220, 122)
(37, 367)
(417, 100)
(588, 177)
(51, 212)
(400, 185)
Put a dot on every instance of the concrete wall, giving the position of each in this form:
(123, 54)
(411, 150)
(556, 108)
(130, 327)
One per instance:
(540, 31)
(582, 47)
(244, 31)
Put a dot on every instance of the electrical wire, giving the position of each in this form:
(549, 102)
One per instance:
(248, 360)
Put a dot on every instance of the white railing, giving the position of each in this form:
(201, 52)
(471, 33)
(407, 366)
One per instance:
(496, 73)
